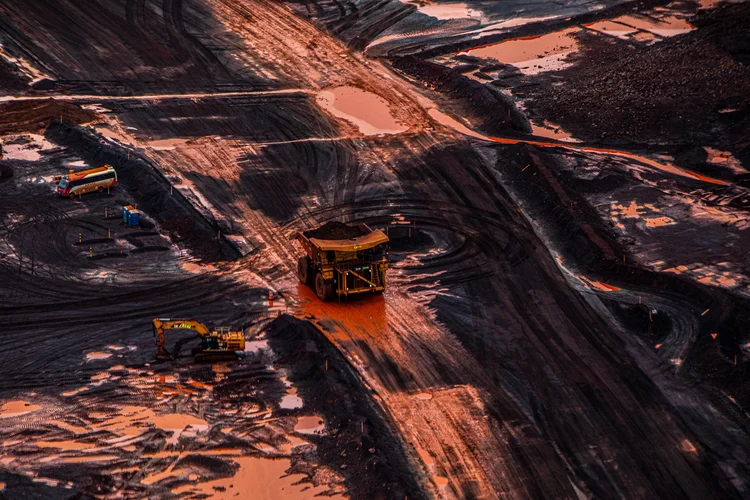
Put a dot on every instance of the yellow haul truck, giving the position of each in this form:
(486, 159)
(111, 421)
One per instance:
(343, 260)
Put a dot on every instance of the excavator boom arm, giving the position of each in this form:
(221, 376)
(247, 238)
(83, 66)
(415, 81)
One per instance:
(161, 324)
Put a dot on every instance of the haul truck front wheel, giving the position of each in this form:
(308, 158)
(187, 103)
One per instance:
(323, 288)
(304, 271)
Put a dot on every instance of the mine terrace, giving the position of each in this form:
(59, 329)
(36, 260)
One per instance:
(374, 249)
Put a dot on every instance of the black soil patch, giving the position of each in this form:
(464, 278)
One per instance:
(375, 465)
(408, 239)
(150, 248)
(335, 230)
(108, 255)
(6, 173)
(641, 319)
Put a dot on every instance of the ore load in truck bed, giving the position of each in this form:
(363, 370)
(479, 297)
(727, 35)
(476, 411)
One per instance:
(335, 231)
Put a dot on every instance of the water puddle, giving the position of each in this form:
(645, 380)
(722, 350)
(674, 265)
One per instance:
(369, 112)
(167, 144)
(310, 425)
(179, 424)
(256, 345)
(28, 151)
(663, 25)
(194, 267)
(259, 479)
(440, 481)
(445, 11)
(551, 131)
(68, 394)
(659, 221)
(16, 409)
(724, 159)
(612, 28)
(532, 54)
(98, 355)
(65, 445)
(89, 458)
(291, 401)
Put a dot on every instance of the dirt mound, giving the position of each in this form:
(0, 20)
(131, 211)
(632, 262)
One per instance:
(32, 116)
(372, 461)
(680, 89)
(492, 112)
(335, 230)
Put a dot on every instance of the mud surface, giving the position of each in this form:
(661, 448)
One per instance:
(566, 304)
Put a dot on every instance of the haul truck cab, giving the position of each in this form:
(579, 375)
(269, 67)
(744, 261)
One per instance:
(342, 267)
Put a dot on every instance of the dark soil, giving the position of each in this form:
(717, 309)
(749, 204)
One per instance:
(151, 190)
(589, 245)
(335, 230)
(32, 116)
(373, 462)
(673, 90)
(6, 172)
(11, 80)
(492, 112)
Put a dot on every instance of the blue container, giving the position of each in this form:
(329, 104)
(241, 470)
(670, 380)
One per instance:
(134, 217)
(125, 213)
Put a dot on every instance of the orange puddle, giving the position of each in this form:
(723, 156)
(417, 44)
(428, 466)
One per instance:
(179, 424)
(659, 221)
(445, 11)
(259, 479)
(167, 144)
(611, 28)
(369, 112)
(290, 401)
(16, 409)
(98, 355)
(364, 316)
(551, 131)
(725, 159)
(75, 391)
(75, 429)
(623, 26)
(309, 425)
(528, 52)
(429, 462)
(89, 458)
(194, 267)
(664, 26)
(65, 445)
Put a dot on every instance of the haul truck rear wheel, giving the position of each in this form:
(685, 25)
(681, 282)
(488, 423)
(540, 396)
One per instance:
(323, 288)
(304, 271)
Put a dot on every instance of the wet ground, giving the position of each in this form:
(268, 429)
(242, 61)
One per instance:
(565, 311)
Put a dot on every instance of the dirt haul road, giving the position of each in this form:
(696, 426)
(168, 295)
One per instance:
(502, 377)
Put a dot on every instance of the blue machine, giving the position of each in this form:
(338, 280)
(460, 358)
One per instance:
(130, 215)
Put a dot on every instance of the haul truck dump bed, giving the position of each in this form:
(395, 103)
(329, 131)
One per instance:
(343, 260)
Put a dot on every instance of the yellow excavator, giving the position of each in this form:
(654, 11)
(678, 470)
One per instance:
(220, 343)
